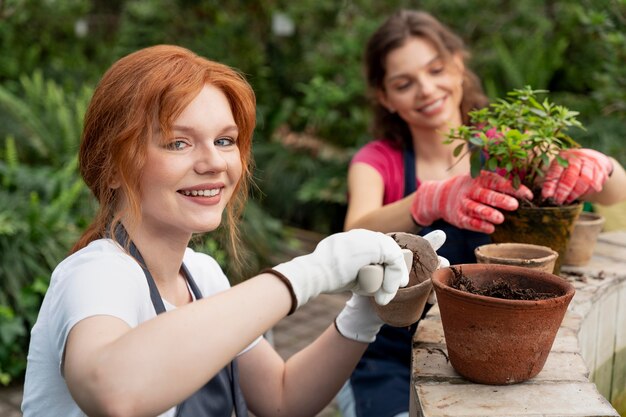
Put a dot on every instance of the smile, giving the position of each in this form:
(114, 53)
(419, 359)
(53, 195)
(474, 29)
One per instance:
(432, 106)
(201, 193)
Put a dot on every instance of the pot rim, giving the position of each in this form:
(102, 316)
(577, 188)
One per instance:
(588, 218)
(568, 288)
(507, 260)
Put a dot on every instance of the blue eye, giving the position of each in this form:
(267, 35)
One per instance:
(225, 141)
(177, 145)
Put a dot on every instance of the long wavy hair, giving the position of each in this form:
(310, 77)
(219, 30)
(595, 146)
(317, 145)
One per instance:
(394, 33)
(139, 97)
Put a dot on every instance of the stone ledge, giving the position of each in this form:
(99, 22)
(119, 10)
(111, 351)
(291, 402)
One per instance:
(537, 400)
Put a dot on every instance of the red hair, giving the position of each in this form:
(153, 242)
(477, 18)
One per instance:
(138, 97)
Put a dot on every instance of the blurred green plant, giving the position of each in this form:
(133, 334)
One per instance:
(68, 40)
(40, 217)
(43, 203)
(303, 60)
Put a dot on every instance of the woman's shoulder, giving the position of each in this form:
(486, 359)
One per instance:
(101, 263)
(378, 146)
(98, 253)
(381, 154)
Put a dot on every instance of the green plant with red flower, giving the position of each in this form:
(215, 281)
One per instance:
(517, 136)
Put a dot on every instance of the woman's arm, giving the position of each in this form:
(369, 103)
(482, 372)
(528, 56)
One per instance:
(305, 383)
(614, 189)
(112, 369)
(365, 204)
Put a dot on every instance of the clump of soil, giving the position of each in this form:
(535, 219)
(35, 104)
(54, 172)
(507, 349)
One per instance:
(425, 258)
(499, 288)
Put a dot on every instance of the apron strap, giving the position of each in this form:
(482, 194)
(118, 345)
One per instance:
(410, 182)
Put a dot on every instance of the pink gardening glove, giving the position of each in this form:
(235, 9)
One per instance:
(587, 170)
(467, 202)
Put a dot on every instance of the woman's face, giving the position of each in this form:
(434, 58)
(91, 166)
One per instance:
(422, 86)
(189, 177)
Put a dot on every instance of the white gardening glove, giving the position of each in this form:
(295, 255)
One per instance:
(358, 320)
(334, 264)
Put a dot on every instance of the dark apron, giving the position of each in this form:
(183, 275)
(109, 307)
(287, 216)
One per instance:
(222, 394)
(380, 382)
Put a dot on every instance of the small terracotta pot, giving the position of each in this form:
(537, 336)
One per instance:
(527, 255)
(498, 341)
(583, 239)
(407, 306)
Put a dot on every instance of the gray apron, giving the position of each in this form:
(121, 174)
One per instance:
(222, 394)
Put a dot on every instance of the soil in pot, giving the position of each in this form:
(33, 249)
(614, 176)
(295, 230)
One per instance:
(527, 255)
(492, 340)
(545, 226)
(498, 288)
(407, 306)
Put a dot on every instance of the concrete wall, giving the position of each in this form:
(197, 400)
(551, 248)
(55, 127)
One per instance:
(602, 335)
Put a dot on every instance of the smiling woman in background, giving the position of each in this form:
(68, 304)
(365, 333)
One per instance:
(408, 180)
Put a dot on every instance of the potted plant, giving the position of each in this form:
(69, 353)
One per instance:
(518, 137)
(499, 321)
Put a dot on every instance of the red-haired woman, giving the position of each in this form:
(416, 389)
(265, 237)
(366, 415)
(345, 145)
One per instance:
(134, 322)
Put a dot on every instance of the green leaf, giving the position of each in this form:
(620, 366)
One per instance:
(458, 149)
(475, 164)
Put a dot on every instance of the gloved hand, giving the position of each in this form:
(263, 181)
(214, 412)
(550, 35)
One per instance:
(467, 202)
(587, 170)
(334, 264)
(359, 321)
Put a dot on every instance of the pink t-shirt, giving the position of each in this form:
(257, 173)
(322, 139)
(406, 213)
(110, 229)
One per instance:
(386, 158)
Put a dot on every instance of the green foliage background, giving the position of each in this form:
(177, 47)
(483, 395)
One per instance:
(312, 107)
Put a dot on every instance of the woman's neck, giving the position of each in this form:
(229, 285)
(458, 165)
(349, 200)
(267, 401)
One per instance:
(162, 253)
(429, 145)
(435, 160)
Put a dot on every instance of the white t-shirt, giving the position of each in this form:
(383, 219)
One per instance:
(100, 279)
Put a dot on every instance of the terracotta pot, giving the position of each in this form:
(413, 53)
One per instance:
(498, 341)
(408, 305)
(545, 226)
(527, 255)
(583, 240)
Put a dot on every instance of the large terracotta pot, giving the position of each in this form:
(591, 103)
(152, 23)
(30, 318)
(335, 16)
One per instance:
(527, 255)
(545, 226)
(499, 341)
(583, 239)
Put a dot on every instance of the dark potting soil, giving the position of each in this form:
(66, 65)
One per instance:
(498, 289)
(539, 201)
